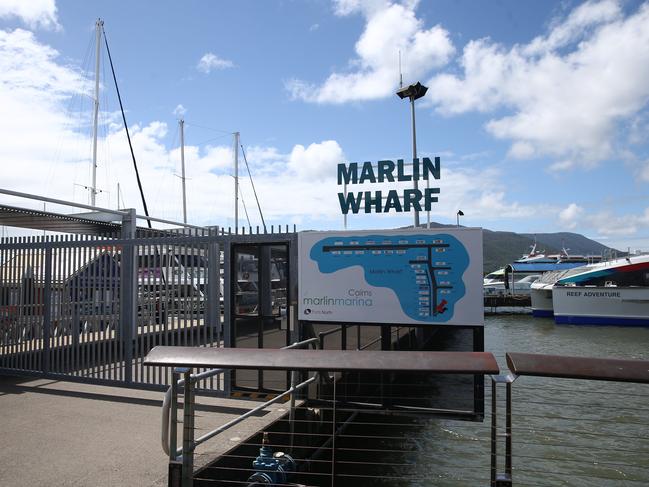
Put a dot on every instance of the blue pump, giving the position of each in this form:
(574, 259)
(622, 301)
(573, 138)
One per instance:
(271, 468)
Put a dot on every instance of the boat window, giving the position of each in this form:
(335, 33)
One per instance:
(625, 279)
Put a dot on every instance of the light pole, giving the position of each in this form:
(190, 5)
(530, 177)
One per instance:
(413, 92)
(459, 214)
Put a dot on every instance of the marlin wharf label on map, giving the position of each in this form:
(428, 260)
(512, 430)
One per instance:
(399, 277)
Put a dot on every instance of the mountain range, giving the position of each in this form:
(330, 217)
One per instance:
(502, 248)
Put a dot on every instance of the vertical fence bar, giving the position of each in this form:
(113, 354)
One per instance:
(70, 313)
(13, 359)
(28, 289)
(115, 355)
(100, 338)
(169, 293)
(182, 257)
(188, 431)
(47, 310)
(86, 271)
(93, 266)
(190, 255)
(5, 301)
(23, 306)
(508, 433)
(59, 279)
(213, 289)
(493, 432)
(18, 262)
(77, 289)
(111, 259)
(128, 278)
(173, 415)
(228, 327)
(168, 328)
(30, 328)
(145, 306)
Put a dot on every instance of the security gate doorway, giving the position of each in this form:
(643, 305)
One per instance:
(260, 284)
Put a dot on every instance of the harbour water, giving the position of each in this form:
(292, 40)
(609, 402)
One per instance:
(565, 432)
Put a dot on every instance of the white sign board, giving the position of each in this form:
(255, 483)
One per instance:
(419, 276)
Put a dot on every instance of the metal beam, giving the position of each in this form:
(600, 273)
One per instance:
(90, 207)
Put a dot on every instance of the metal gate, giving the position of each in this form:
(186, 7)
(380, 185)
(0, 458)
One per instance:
(90, 308)
(261, 282)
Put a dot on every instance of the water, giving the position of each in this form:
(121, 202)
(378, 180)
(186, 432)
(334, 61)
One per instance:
(522, 333)
(565, 432)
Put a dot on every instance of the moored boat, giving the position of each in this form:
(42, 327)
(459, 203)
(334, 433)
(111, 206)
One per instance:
(609, 293)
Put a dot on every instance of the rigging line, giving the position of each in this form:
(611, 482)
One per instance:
(128, 136)
(210, 128)
(253, 187)
(69, 119)
(213, 138)
(104, 118)
(244, 206)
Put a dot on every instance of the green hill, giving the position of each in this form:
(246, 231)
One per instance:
(502, 248)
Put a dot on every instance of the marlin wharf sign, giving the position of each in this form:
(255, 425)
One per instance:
(388, 171)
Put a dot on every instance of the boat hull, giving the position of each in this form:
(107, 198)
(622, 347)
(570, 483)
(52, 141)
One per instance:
(590, 305)
(542, 303)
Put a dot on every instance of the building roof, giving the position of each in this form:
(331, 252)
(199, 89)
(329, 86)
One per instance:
(12, 216)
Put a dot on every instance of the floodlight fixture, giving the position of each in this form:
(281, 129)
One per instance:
(414, 92)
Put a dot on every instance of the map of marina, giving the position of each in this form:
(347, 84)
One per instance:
(425, 271)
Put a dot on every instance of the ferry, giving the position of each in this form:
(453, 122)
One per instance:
(615, 292)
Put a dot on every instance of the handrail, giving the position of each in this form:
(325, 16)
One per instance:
(166, 401)
(237, 420)
(330, 332)
(566, 367)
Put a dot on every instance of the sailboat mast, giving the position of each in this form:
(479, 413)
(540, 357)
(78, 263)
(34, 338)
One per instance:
(93, 189)
(181, 122)
(236, 182)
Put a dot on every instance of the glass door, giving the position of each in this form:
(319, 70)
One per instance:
(259, 309)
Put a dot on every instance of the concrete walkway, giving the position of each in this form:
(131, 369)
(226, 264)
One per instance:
(70, 434)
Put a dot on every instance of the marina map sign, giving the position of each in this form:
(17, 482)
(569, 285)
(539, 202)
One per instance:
(393, 276)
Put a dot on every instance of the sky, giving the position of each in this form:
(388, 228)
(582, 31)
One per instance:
(539, 111)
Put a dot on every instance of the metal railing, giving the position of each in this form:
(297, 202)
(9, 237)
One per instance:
(169, 429)
(566, 428)
(335, 407)
(548, 371)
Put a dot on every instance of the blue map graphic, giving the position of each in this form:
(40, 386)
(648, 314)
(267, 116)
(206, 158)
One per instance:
(425, 271)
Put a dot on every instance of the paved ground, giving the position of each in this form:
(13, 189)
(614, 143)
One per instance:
(70, 434)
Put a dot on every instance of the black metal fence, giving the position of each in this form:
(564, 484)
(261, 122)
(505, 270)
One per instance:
(89, 308)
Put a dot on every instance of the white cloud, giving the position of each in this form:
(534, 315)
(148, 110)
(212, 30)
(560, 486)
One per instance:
(565, 91)
(34, 13)
(608, 223)
(389, 28)
(644, 171)
(179, 111)
(569, 216)
(46, 152)
(294, 185)
(211, 61)
(521, 150)
(604, 223)
(317, 161)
